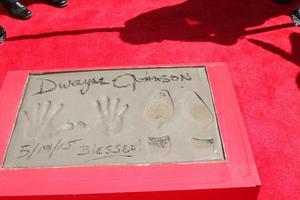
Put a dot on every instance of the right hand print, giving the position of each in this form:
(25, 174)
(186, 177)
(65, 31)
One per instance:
(110, 115)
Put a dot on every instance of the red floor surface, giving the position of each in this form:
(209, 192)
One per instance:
(254, 37)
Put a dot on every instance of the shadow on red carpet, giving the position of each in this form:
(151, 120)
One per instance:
(293, 57)
(222, 22)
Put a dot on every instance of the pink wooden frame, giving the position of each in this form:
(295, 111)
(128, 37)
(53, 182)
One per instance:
(237, 171)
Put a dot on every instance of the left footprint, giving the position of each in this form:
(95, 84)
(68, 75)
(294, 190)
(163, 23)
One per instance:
(159, 109)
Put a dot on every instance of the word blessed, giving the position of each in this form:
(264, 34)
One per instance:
(107, 151)
(122, 81)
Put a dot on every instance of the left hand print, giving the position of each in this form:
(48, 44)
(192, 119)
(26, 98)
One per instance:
(39, 123)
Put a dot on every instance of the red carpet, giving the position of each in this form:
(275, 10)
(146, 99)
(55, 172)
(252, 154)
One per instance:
(253, 36)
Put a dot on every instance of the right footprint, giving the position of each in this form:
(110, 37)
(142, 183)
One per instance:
(197, 110)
